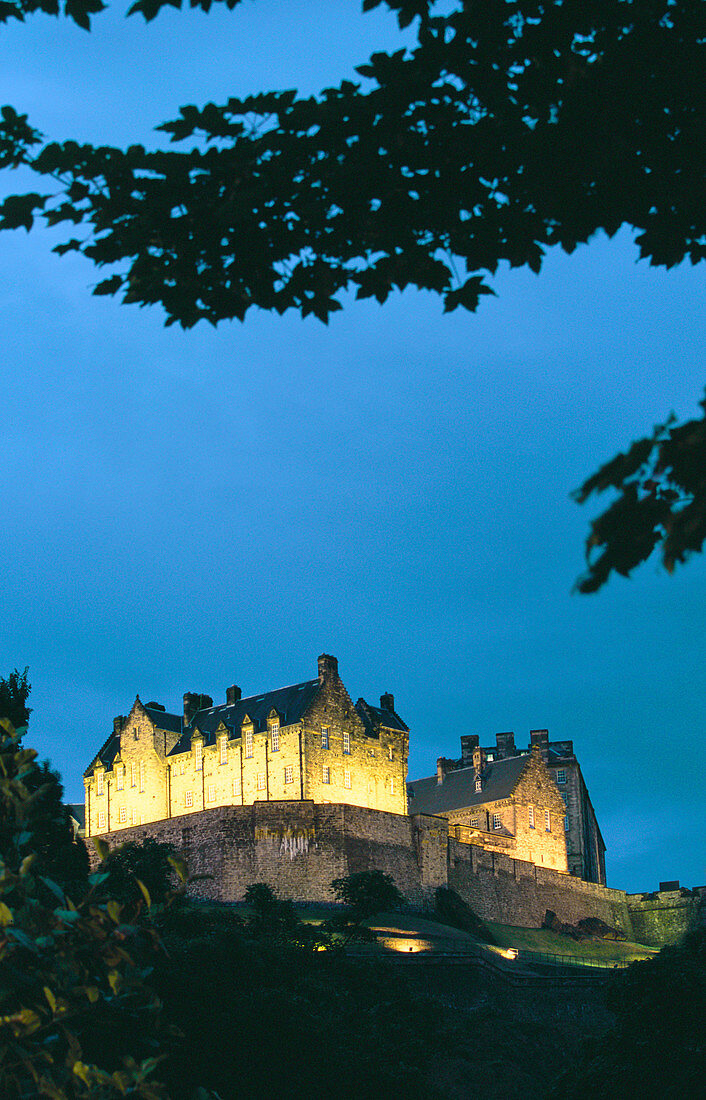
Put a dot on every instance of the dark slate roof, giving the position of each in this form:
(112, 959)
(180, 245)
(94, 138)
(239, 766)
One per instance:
(78, 813)
(374, 717)
(289, 702)
(164, 721)
(106, 755)
(428, 796)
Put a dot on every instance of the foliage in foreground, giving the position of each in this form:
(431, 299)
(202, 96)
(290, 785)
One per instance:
(76, 1017)
(657, 1046)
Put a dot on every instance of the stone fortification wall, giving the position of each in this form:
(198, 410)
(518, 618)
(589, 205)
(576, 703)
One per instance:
(666, 916)
(300, 847)
(511, 891)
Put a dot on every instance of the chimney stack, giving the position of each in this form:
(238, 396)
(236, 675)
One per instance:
(469, 742)
(233, 695)
(443, 766)
(328, 666)
(194, 701)
(539, 740)
(387, 701)
(506, 745)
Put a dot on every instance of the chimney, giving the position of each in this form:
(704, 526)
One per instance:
(539, 740)
(328, 666)
(469, 742)
(506, 745)
(478, 759)
(387, 701)
(118, 723)
(191, 705)
(233, 695)
(443, 766)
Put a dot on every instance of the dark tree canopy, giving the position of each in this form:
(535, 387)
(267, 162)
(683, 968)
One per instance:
(512, 126)
(14, 692)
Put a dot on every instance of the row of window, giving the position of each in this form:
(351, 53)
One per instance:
(120, 778)
(547, 819)
(122, 817)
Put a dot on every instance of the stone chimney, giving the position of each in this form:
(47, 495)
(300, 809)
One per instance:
(506, 745)
(194, 701)
(478, 759)
(387, 701)
(539, 740)
(328, 666)
(118, 723)
(443, 767)
(469, 742)
(233, 695)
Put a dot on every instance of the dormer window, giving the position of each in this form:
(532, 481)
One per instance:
(248, 741)
(100, 779)
(274, 734)
(479, 783)
(223, 746)
(198, 756)
(120, 777)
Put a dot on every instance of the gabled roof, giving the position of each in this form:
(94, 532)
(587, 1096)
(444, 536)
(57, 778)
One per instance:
(164, 721)
(105, 755)
(289, 702)
(374, 717)
(428, 796)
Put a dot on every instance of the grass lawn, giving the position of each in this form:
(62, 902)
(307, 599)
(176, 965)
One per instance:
(553, 943)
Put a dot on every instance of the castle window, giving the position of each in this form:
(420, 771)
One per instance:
(392, 786)
(474, 822)
(135, 733)
(120, 777)
(260, 781)
(101, 819)
(100, 776)
(236, 787)
(547, 821)
(211, 796)
(275, 736)
(561, 775)
(324, 737)
(479, 783)
(198, 756)
(248, 742)
(122, 815)
(346, 742)
(530, 815)
(497, 823)
(390, 754)
(142, 777)
(133, 775)
(224, 750)
(566, 824)
(326, 776)
(134, 817)
(347, 778)
(289, 774)
(189, 798)
(181, 767)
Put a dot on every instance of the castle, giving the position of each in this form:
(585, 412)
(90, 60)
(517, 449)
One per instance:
(310, 742)
(304, 742)
(299, 786)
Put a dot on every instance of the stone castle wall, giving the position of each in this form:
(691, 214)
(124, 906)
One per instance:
(299, 848)
(512, 891)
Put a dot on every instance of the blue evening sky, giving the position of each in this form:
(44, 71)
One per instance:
(183, 511)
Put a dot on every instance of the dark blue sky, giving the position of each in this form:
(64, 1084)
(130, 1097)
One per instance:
(188, 510)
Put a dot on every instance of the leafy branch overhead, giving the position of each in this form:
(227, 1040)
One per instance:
(509, 128)
(661, 483)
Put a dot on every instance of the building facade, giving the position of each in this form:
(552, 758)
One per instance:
(510, 806)
(307, 741)
(585, 849)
